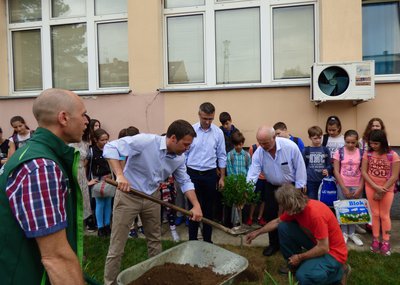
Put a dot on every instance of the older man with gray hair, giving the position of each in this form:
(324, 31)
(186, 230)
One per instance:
(281, 161)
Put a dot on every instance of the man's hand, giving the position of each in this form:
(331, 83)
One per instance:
(294, 260)
(197, 214)
(250, 236)
(123, 184)
(221, 183)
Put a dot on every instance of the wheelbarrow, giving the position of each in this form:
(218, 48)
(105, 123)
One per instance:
(235, 231)
(194, 253)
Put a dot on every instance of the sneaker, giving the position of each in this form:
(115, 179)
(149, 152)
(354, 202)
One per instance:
(249, 221)
(141, 230)
(385, 248)
(375, 246)
(356, 239)
(346, 274)
(133, 233)
(360, 230)
(261, 222)
(345, 237)
(175, 236)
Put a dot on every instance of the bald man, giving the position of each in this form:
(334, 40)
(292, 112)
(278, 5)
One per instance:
(281, 161)
(40, 200)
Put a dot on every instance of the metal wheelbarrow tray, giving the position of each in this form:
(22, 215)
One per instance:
(198, 253)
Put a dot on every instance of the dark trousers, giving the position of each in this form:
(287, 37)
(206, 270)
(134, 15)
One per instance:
(205, 184)
(319, 270)
(271, 211)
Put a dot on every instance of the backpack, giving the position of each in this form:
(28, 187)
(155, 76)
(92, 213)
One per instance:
(341, 156)
(307, 154)
(16, 140)
(327, 192)
(325, 138)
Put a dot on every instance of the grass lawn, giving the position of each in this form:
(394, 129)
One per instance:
(367, 268)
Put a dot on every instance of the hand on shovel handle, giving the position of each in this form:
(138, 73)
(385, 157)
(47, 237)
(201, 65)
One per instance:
(235, 232)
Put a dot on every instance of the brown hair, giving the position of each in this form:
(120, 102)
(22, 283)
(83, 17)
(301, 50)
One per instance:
(292, 200)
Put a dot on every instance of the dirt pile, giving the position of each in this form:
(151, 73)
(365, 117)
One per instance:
(172, 274)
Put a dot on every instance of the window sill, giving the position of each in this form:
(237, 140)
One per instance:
(232, 87)
(80, 93)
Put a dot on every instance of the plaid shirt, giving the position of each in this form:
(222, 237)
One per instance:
(238, 163)
(36, 192)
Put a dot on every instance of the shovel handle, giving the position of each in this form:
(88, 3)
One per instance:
(174, 207)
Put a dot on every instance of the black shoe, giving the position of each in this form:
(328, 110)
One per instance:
(107, 230)
(101, 232)
(270, 250)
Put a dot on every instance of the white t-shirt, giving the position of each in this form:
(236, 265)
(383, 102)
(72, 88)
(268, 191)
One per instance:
(334, 143)
(21, 139)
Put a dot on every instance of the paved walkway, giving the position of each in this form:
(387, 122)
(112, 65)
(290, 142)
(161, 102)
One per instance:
(220, 237)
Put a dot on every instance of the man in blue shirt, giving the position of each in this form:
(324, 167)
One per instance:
(151, 160)
(207, 150)
(282, 162)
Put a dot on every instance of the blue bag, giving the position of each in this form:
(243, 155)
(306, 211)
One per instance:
(327, 192)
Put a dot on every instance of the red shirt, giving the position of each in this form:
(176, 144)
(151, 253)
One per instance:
(318, 221)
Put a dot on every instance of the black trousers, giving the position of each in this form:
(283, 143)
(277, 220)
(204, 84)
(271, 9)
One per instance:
(271, 211)
(205, 184)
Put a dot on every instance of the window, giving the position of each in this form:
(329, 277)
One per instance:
(72, 44)
(293, 38)
(381, 36)
(217, 43)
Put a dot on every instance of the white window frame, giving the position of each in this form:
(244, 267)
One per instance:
(91, 21)
(266, 42)
(383, 78)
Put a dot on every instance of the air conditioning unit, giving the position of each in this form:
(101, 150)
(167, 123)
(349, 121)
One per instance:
(342, 81)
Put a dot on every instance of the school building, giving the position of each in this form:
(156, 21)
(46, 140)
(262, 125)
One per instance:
(147, 63)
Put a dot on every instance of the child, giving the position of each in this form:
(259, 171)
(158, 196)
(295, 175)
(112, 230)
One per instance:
(318, 162)
(99, 170)
(373, 124)
(380, 169)
(260, 187)
(238, 162)
(3, 148)
(347, 161)
(21, 134)
(168, 194)
(281, 131)
(333, 140)
(228, 128)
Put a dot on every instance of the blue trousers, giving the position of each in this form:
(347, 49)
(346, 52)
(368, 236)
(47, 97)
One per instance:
(312, 189)
(319, 270)
(103, 211)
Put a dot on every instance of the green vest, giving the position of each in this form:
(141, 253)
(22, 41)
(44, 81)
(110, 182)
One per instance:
(20, 259)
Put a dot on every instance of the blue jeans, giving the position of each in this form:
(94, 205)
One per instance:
(319, 270)
(103, 211)
(312, 189)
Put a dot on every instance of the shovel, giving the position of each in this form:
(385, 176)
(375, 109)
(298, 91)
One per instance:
(240, 230)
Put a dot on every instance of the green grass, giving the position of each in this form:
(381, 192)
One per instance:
(367, 267)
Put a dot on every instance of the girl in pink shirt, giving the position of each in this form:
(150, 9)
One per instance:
(346, 164)
(380, 169)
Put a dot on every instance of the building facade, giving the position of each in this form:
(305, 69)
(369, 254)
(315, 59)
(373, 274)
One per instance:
(147, 63)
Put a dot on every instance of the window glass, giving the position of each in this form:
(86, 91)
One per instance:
(25, 10)
(68, 8)
(293, 41)
(238, 46)
(104, 7)
(183, 3)
(185, 49)
(27, 60)
(69, 62)
(113, 54)
(381, 36)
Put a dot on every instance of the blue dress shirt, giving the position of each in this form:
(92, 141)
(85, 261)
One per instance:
(207, 148)
(287, 167)
(148, 162)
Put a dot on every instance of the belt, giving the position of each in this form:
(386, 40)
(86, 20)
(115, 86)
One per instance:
(198, 172)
